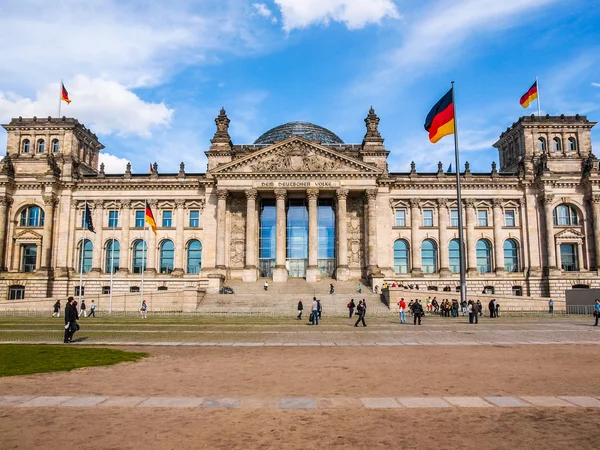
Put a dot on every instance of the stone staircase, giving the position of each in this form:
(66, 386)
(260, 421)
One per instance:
(282, 298)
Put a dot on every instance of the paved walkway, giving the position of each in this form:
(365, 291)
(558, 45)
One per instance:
(287, 403)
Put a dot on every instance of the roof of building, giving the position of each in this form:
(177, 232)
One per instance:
(306, 130)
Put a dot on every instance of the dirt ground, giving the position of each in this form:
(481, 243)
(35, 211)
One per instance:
(360, 371)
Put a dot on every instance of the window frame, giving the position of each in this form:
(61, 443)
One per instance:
(55, 146)
(140, 254)
(400, 217)
(431, 257)
(454, 220)
(166, 255)
(514, 217)
(113, 218)
(571, 218)
(140, 217)
(572, 144)
(16, 292)
(513, 266)
(40, 146)
(196, 219)
(541, 144)
(569, 267)
(556, 144)
(167, 218)
(455, 258)
(487, 266)
(426, 219)
(399, 257)
(87, 255)
(194, 269)
(26, 146)
(29, 267)
(480, 222)
(115, 258)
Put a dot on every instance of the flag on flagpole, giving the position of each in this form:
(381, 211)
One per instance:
(449, 168)
(150, 218)
(530, 95)
(87, 219)
(440, 120)
(150, 167)
(64, 95)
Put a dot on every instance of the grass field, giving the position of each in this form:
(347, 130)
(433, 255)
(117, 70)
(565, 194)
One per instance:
(30, 359)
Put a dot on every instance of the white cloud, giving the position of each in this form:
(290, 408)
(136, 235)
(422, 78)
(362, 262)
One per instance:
(354, 14)
(596, 84)
(262, 10)
(105, 106)
(112, 163)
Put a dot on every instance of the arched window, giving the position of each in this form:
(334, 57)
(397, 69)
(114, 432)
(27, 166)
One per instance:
(454, 256)
(565, 215)
(484, 256)
(194, 256)
(429, 256)
(401, 256)
(55, 146)
(556, 145)
(167, 256)
(572, 144)
(511, 256)
(541, 144)
(41, 146)
(85, 258)
(139, 256)
(113, 251)
(26, 146)
(32, 216)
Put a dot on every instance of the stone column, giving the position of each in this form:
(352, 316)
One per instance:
(5, 203)
(50, 202)
(547, 200)
(312, 273)
(596, 220)
(342, 272)
(373, 267)
(415, 256)
(125, 238)
(443, 241)
(565, 147)
(151, 244)
(498, 244)
(178, 270)
(221, 213)
(280, 273)
(471, 243)
(250, 271)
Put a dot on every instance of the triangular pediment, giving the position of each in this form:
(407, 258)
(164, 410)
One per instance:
(296, 155)
(28, 235)
(570, 233)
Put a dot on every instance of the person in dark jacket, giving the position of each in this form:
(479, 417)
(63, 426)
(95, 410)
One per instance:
(300, 309)
(56, 312)
(476, 311)
(70, 320)
(417, 310)
(361, 310)
(351, 307)
(492, 308)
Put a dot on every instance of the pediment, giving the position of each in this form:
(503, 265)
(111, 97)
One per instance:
(28, 235)
(296, 156)
(570, 233)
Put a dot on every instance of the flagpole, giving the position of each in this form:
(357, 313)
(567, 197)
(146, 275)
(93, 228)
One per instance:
(537, 83)
(112, 265)
(144, 253)
(60, 97)
(463, 281)
(81, 257)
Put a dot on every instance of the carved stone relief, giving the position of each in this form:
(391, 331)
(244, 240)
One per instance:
(296, 157)
(237, 242)
(356, 231)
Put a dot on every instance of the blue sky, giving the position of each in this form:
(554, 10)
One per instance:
(149, 79)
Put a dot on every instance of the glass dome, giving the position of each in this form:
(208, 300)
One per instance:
(306, 130)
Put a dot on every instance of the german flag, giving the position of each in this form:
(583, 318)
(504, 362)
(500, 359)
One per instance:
(150, 167)
(440, 120)
(64, 95)
(530, 95)
(150, 218)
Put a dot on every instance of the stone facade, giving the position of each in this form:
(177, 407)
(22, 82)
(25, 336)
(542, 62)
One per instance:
(530, 228)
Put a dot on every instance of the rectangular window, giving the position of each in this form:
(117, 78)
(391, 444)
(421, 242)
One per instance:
(194, 218)
(509, 218)
(105, 290)
(428, 217)
(568, 257)
(16, 292)
(29, 258)
(400, 217)
(454, 217)
(134, 289)
(163, 288)
(77, 291)
(140, 217)
(113, 219)
(167, 219)
(482, 217)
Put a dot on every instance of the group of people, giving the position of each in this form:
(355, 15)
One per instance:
(315, 311)
(447, 308)
(361, 311)
(82, 311)
(415, 307)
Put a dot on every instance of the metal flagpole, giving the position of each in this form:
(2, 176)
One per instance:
(112, 264)
(81, 254)
(463, 281)
(60, 98)
(537, 84)
(144, 253)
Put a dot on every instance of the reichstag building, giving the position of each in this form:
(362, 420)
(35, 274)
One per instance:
(299, 202)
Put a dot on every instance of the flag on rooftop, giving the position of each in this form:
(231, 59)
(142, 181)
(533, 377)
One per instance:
(530, 95)
(440, 120)
(64, 95)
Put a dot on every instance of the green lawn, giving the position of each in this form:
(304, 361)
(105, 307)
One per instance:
(28, 359)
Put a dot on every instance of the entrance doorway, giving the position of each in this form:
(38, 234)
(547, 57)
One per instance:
(297, 238)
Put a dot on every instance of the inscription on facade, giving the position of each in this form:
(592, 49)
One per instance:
(296, 184)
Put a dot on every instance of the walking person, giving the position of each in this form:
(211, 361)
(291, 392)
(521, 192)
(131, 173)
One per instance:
(351, 307)
(480, 307)
(402, 306)
(331, 288)
(56, 312)
(144, 310)
(266, 286)
(93, 309)
(597, 311)
(492, 308)
(476, 311)
(315, 312)
(361, 311)
(70, 320)
(551, 306)
(83, 308)
(497, 308)
(319, 308)
(300, 309)
(470, 310)
(359, 287)
(418, 312)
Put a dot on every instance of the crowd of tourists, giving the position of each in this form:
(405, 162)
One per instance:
(446, 308)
